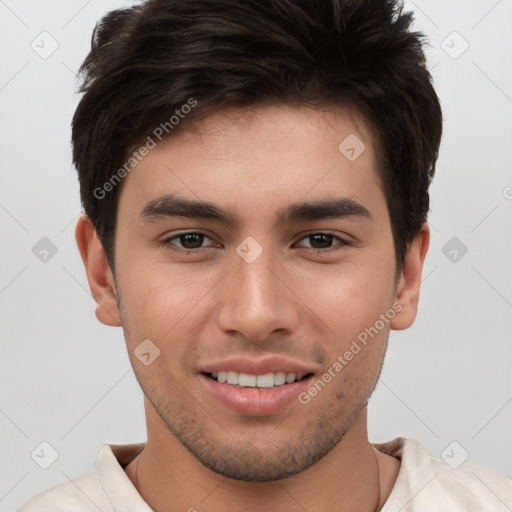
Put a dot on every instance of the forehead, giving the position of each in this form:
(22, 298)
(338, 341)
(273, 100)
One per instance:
(253, 158)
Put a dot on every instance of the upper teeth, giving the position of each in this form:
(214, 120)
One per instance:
(267, 380)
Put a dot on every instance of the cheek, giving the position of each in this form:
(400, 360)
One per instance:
(163, 304)
(349, 298)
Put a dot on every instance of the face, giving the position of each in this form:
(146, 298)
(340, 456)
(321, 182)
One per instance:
(257, 286)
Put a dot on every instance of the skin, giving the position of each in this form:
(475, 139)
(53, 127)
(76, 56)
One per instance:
(212, 304)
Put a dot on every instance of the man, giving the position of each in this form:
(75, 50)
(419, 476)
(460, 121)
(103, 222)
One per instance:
(255, 182)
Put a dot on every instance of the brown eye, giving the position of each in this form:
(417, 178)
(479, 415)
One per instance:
(188, 242)
(322, 242)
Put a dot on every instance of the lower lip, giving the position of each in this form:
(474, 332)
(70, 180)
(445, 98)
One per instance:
(255, 401)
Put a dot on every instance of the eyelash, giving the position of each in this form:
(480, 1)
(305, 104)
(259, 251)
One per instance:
(167, 242)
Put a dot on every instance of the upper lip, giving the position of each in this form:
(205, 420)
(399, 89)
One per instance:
(250, 366)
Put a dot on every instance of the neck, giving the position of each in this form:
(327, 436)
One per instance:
(352, 476)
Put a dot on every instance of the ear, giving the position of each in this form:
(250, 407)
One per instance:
(409, 281)
(99, 275)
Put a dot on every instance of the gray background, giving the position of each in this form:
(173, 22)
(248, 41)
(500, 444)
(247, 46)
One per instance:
(66, 378)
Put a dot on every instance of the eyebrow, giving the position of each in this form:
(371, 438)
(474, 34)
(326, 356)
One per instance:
(171, 205)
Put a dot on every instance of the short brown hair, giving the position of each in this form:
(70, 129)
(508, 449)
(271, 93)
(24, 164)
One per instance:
(149, 60)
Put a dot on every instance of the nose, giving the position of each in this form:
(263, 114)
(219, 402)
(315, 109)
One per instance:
(258, 300)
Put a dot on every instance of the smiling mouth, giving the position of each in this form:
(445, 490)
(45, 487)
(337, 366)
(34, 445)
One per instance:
(265, 381)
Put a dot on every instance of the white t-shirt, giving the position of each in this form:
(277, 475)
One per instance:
(424, 484)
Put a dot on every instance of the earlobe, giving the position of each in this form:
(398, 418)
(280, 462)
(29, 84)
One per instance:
(408, 286)
(99, 274)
